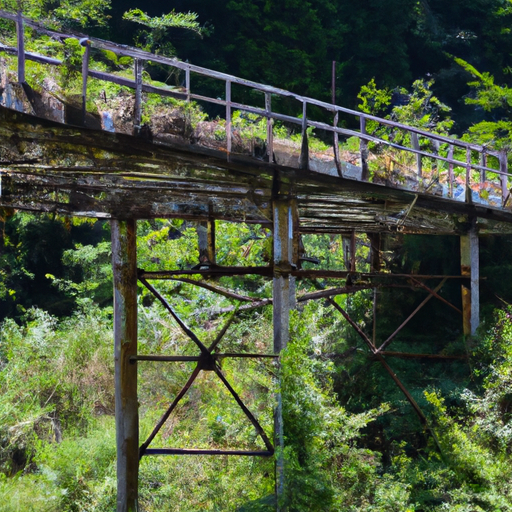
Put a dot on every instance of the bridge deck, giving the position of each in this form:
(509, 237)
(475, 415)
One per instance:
(109, 166)
(52, 167)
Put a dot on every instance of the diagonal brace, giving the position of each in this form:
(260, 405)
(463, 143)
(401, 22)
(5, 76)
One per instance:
(205, 362)
(406, 321)
(180, 322)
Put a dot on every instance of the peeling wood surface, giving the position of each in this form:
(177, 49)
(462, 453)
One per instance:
(70, 170)
(48, 166)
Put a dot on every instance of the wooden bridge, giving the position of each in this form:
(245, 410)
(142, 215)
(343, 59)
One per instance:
(56, 155)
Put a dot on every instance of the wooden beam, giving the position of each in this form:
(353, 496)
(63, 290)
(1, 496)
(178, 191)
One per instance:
(124, 265)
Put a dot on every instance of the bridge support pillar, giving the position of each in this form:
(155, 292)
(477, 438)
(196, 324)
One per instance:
(285, 251)
(470, 266)
(124, 265)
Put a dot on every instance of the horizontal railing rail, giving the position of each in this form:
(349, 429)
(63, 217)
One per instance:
(473, 170)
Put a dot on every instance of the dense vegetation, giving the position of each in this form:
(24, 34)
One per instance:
(353, 442)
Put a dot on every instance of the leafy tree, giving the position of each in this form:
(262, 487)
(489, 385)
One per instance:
(80, 13)
(490, 98)
(156, 39)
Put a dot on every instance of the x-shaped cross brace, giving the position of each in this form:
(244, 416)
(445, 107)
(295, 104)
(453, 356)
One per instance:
(207, 361)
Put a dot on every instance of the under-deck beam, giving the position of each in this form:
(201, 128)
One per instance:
(124, 264)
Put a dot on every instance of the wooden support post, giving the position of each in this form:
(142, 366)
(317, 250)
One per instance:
(375, 265)
(304, 150)
(416, 145)
(450, 171)
(363, 148)
(483, 163)
(469, 196)
(137, 109)
(21, 48)
(349, 251)
(336, 147)
(353, 251)
(285, 252)
(206, 240)
(469, 263)
(124, 265)
(187, 83)
(270, 128)
(85, 73)
(375, 262)
(228, 119)
(504, 177)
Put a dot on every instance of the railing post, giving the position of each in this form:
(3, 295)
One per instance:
(124, 266)
(304, 150)
(21, 48)
(228, 118)
(187, 83)
(363, 149)
(270, 125)
(469, 196)
(85, 72)
(450, 171)
(504, 176)
(483, 163)
(335, 141)
(137, 110)
(336, 147)
(416, 146)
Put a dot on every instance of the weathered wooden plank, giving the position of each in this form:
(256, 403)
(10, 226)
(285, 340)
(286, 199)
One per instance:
(31, 56)
(112, 171)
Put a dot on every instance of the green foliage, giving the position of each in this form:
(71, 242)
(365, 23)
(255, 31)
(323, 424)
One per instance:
(156, 39)
(323, 469)
(31, 262)
(71, 70)
(53, 379)
(83, 13)
(90, 266)
(374, 101)
(420, 109)
(170, 20)
(489, 96)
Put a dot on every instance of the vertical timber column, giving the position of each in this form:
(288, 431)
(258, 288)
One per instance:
(470, 266)
(206, 241)
(124, 265)
(285, 253)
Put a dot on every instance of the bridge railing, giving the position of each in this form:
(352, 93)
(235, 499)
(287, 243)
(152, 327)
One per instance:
(460, 170)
